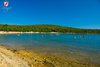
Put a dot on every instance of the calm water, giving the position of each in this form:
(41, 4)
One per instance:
(83, 43)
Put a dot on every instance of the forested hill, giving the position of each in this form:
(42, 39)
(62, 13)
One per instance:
(45, 28)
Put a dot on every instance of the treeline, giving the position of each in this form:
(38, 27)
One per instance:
(45, 28)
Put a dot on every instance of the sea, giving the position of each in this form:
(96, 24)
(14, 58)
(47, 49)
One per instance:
(83, 45)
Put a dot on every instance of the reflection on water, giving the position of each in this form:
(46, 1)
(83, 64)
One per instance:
(56, 43)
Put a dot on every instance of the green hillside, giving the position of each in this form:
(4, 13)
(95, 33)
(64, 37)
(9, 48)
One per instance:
(45, 28)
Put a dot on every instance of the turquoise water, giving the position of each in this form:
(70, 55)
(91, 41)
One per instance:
(83, 43)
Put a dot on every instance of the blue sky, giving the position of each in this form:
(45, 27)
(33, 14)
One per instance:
(72, 13)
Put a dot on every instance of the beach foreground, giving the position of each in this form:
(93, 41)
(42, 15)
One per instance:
(25, 58)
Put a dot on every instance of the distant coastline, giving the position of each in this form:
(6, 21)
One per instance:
(43, 28)
(15, 32)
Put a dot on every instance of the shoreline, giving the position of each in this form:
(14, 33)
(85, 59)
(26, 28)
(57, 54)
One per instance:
(14, 32)
(26, 58)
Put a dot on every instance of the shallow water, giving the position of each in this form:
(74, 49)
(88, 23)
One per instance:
(78, 44)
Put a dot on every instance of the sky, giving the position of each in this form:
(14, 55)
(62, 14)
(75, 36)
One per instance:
(71, 13)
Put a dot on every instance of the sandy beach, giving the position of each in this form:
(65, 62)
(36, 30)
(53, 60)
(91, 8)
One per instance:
(9, 59)
(15, 32)
(25, 58)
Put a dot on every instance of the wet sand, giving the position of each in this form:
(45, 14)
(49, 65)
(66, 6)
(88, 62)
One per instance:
(27, 58)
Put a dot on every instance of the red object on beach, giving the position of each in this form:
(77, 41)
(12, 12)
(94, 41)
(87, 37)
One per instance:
(6, 3)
